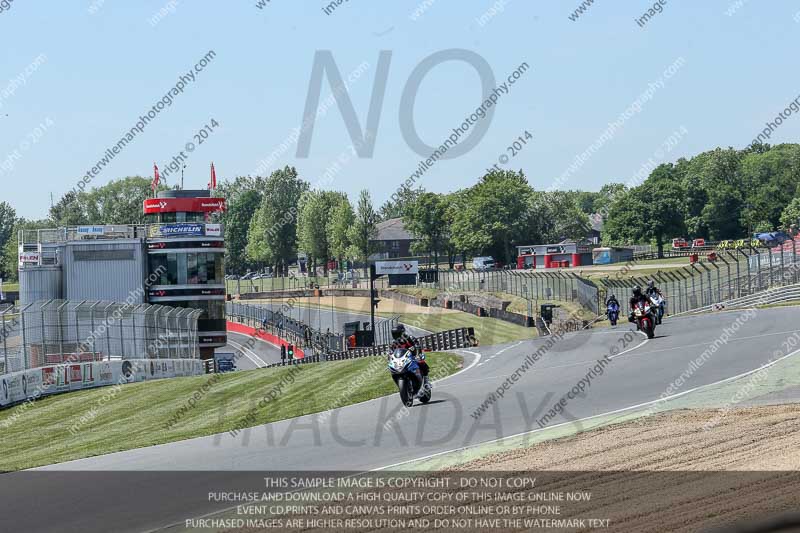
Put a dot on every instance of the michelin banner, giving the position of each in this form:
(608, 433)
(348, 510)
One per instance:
(20, 386)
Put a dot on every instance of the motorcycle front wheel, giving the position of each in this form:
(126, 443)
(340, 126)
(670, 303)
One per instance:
(406, 391)
(428, 391)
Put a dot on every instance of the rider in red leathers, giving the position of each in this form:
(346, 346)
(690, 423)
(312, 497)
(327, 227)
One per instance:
(406, 341)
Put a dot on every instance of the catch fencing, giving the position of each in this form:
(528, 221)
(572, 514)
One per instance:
(53, 332)
(702, 284)
(529, 284)
(286, 327)
(735, 272)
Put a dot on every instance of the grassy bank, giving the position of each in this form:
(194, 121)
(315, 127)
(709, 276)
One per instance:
(488, 331)
(136, 416)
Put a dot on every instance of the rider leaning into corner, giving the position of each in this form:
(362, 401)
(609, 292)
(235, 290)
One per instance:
(407, 342)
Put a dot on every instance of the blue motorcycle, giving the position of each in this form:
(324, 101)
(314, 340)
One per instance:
(613, 313)
(408, 377)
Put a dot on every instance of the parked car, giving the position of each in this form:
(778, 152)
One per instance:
(772, 238)
(679, 243)
(483, 263)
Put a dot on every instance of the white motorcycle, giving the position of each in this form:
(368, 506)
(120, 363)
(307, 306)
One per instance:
(660, 305)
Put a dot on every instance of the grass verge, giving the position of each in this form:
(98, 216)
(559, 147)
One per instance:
(11, 287)
(137, 414)
(488, 331)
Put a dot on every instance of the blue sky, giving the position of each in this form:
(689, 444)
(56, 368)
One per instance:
(103, 70)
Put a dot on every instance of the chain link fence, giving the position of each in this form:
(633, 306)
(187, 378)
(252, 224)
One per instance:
(53, 332)
(735, 273)
(732, 275)
(528, 284)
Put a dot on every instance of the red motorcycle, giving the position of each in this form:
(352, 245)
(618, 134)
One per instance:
(645, 319)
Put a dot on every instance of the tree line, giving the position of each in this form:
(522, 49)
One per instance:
(718, 194)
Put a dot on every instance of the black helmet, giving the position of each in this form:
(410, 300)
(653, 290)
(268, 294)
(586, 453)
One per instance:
(398, 331)
(637, 290)
(612, 297)
(651, 284)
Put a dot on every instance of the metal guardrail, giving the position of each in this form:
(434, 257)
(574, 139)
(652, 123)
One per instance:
(774, 295)
(443, 340)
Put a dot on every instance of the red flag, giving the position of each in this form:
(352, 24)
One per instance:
(154, 185)
(213, 184)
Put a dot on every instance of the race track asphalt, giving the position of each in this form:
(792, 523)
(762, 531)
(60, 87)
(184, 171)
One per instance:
(260, 355)
(357, 438)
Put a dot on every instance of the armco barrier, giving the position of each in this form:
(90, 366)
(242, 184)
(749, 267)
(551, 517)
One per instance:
(263, 335)
(20, 386)
(444, 340)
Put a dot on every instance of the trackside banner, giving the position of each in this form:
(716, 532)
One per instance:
(396, 267)
(31, 384)
(188, 205)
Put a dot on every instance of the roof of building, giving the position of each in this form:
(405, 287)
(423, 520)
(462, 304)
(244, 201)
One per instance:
(393, 230)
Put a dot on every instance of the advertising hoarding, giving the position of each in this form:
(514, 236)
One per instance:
(396, 267)
(187, 205)
(177, 230)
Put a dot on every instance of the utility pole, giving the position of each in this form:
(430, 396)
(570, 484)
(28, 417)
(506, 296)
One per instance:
(184, 166)
(372, 300)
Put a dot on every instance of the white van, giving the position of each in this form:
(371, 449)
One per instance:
(483, 263)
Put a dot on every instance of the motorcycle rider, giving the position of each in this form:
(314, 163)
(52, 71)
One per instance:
(651, 291)
(612, 300)
(636, 298)
(407, 342)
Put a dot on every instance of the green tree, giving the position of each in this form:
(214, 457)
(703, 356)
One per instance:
(558, 216)
(338, 226)
(606, 196)
(427, 218)
(791, 213)
(70, 210)
(242, 197)
(314, 211)
(652, 212)
(8, 219)
(493, 215)
(272, 237)
(118, 202)
(364, 229)
(396, 206)
(770, 180)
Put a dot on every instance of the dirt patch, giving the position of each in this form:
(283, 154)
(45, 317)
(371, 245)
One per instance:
(683, 471)
(752, 438)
